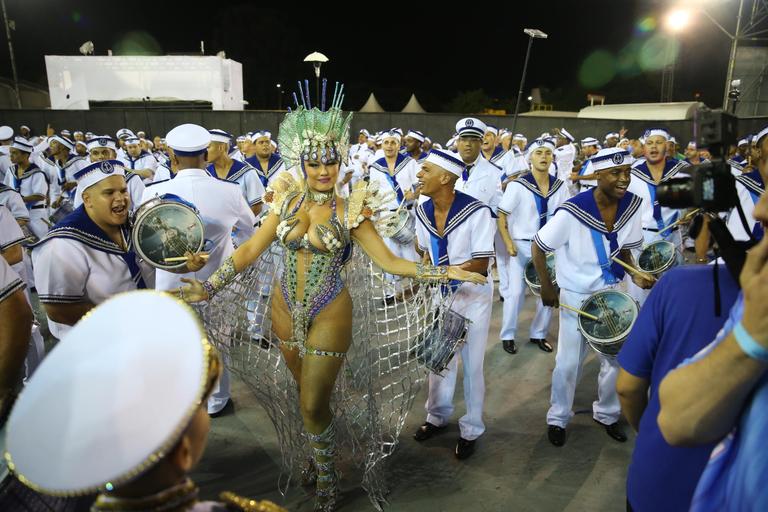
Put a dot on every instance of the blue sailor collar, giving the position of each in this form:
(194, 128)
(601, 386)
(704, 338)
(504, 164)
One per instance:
(32, 169)
(498, 154)
(141, 155)
(272, 165)
(79, 226)
(528, 181)
(236, 170)
(401, 161)
(671, 168)
(462, 208)
(71, 159)
(752, 181)
(584, 209)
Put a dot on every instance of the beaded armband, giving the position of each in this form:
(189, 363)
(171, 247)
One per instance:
(431, 272)
(221, 278)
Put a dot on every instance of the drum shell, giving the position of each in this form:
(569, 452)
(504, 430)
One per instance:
(530, 271)
(674, 257)
(438, 345)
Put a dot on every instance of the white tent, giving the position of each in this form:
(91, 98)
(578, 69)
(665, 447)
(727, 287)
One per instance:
(413, 106)
(372, 105)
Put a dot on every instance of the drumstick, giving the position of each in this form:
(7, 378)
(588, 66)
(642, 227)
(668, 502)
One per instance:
(582, 313)
(683, 219)
(631, 269)
(182, 258)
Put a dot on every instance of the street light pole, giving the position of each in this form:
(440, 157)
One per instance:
(13, 60)
(279, 98)
(532, 33)
(732, 59)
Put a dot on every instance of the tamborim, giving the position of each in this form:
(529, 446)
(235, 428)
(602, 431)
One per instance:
(616, 312)
(439, 344)
(658, 257)
(400, 227)
(167, 227)
(532, 278)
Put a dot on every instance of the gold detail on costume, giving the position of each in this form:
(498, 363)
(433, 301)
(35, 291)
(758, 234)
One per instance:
(176, 498)
(365, 200)
(248, 505)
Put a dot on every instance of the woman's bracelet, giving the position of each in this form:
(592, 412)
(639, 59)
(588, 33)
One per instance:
(224, 275)
(431, 272)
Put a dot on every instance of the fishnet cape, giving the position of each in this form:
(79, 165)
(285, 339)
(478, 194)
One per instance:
(377, 383)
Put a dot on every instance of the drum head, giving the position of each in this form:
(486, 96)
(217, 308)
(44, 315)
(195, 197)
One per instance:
(616, 312)
(657, 257)
(532, 278)
(167, 229)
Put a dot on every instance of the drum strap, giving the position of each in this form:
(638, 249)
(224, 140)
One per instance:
(395, 186)
(612, 272)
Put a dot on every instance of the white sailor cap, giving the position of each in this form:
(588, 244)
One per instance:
(273, 143)
(103, 141)
(77, 132)
(505, 134)
(94, 173)
(241, 138)
(692, 145)
(546, 143)
(492, 129)
(188, 140)
(141, 134)
(81, 143)
(391, 134)
(545, 135)
(656, 132)
(451, 141)
(566, 134)
(415, 134)
(132, 141)
(88, 135)
(445, 160)
(762, 133)
(24, 127)
(218, 135)
(742, 142)
(64, 142)
(260, 134)
(610, 157)
(65, 133)
(436, 146)
(611, 135)
(428, 140)
(520, 136)
(590, 141)
(123, 133)
(470, 127)
(672, 140)
(365, 132)
(85, 423)
(22, 144)
(398, 130)
(6, 132)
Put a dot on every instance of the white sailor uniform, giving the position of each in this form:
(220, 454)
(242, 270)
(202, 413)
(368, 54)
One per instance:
(77, 262)
(749, 188)
(135, 191)
(583, 248)
(564, 157)
(246, 177)
(67, 171)
(468, 234)
(737, 163)
(399, 182)
(221, 207)
(274, 167)
(162, 173)
(11, 199)
(655, 216)
(482, 180)
(33, 181)
(527, 210)
(143, 161)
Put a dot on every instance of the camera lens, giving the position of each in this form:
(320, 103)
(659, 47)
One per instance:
(676, 193)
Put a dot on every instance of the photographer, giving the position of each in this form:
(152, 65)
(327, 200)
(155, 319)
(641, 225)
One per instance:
(721, 394)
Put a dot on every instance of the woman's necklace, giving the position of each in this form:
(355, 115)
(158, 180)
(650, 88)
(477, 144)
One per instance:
(317, 197)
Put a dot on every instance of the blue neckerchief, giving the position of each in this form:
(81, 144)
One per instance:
(584, 208)
(236, 170)
(462, 207)
(265, 174)
(465, 172)
(400, 162)
(528, 181)
(79, 226)
(132, 161)
(753, 182)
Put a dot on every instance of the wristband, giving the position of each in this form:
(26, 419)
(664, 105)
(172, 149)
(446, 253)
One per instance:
(748, 344)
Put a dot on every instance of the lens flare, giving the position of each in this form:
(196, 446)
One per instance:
(137, 43)
(657, 52)
(646, 25)
(598, 69)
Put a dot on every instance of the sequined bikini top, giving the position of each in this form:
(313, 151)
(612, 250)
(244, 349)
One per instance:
(333, 235)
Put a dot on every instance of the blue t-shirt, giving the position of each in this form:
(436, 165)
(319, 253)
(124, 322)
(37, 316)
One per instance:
(736, 475)
(676, 321)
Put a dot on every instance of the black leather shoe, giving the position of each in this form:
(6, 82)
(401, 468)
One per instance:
(426, 431)
(542, 343)
(509, 346)
(464, 448)
(556, 435)
(501, 298)
(614, 430)
(229, 408)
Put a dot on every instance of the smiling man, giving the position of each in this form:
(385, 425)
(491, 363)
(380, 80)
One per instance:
(87, 257)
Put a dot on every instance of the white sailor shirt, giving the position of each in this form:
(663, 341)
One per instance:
(571, 234)
(162, 173)
(520, 203)
(67, 171)
(246, 177)
(77, 262)
(642, 184)
(482, 180)
(221, 207)
(32, 182)
(11, 199)
(401, 181)
(143, 161)
(10, 282)
(749, 188)
(275, 166)
(564, 157)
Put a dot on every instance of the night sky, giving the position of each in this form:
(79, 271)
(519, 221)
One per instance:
(607, 47)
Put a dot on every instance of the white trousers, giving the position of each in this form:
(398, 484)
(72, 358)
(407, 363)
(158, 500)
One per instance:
(405, 251)
(571, 350)
(515, 297)
(502, 255)
(439, 404)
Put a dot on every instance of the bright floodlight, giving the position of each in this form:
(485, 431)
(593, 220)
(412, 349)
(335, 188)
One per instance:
(536, 33)
(317, 59)
(677, 20)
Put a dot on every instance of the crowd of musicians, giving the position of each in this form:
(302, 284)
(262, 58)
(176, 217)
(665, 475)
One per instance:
(569, 221)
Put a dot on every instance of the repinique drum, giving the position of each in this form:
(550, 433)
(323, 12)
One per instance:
(167, 227)
(617, 313)
(65, 209)
(532, 278)
(438, 346)
(658, 257)
(400, 227)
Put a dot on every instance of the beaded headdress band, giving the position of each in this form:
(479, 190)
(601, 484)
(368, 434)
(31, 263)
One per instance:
(312, 133)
